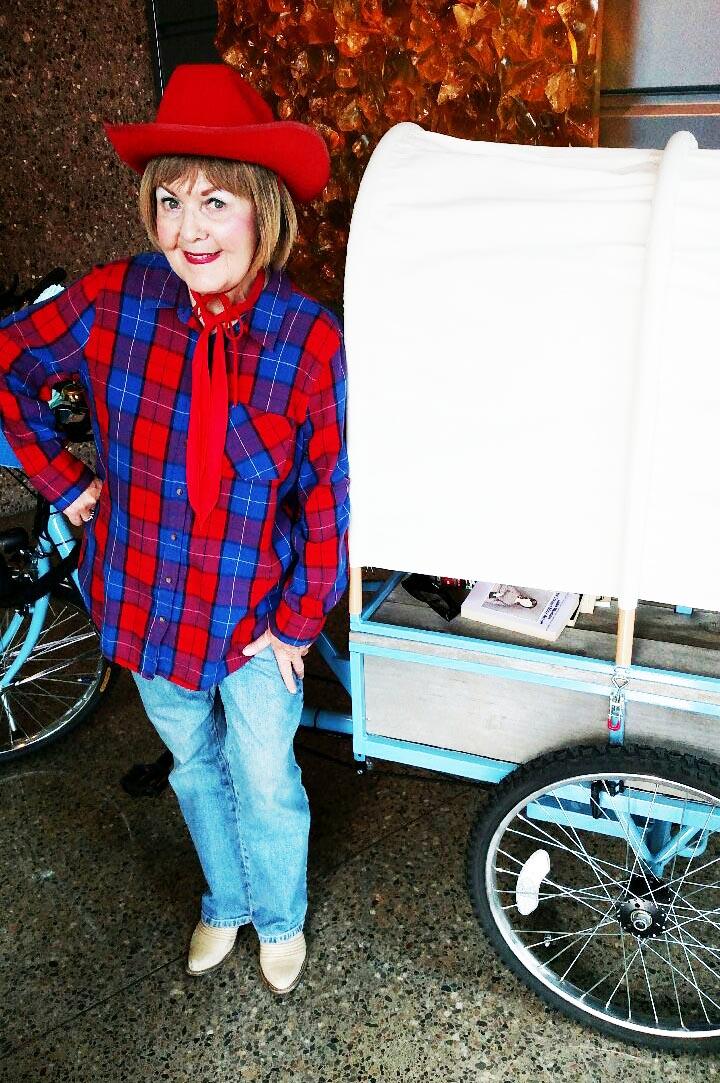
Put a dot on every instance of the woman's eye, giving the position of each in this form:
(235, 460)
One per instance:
(216, 204)
(170, 203)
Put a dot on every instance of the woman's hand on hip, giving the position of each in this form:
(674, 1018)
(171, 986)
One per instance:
(81, 510)
(289, 659)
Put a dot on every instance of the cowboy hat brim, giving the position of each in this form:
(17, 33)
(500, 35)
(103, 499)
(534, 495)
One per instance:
(294, 151)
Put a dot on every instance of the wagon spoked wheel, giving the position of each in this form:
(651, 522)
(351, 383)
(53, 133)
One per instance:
(595, 873)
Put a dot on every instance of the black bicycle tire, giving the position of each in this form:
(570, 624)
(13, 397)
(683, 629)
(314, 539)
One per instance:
(553, 768)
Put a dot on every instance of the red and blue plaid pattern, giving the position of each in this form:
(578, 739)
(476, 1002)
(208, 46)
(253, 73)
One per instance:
(167, 598)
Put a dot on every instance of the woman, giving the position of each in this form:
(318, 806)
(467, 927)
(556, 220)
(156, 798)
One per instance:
(219, 510)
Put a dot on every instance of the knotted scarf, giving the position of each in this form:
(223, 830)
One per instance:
(207, 429)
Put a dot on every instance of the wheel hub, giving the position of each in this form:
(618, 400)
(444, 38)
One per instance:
(643, 909)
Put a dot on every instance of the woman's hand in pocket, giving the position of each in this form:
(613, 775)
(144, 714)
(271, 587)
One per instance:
(81, 510)
(289, 659)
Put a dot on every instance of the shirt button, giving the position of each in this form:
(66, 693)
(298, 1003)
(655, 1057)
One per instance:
(173, 537)
(162, 620)
(179, 491)
(168, 579)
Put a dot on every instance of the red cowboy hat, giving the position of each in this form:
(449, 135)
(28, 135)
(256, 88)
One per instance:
(209, 110)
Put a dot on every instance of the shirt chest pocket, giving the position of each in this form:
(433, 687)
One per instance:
(259, 445)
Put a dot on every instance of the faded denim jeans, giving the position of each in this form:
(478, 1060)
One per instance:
(240, 792)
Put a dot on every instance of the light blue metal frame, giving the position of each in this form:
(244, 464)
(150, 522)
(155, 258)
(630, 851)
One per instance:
(364, 623)
(624, 815)
(59, 538)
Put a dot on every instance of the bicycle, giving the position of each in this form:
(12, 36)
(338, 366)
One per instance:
(53, 675)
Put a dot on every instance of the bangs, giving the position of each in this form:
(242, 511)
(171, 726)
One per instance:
(221, 172)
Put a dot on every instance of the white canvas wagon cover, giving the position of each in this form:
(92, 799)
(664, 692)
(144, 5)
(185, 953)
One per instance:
(534, 377)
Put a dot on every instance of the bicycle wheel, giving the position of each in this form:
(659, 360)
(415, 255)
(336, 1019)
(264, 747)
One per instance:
(595, 874)
(62, 681)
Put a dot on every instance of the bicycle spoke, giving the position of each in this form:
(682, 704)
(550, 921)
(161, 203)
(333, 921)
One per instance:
(549, 840)
(551, 883)
(625, 975)
(700, 887)
(649, 988)
(702, 996)
(707, 865)
(700, 915)
(696, 944)
(680, 827)
(548, 939)
(574, 894)
(690, 949)
(672, 975)
(55, 682)
(567, 947)
(577, 839)
(35, 719)
(588, 938)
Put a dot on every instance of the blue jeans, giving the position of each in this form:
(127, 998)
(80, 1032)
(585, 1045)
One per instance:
(241, 792)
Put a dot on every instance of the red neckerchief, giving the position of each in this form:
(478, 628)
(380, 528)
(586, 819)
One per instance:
(209, 398)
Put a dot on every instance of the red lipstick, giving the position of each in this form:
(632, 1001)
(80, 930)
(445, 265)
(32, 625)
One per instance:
(200, 257)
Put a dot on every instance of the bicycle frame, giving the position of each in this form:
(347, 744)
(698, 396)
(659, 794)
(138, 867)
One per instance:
(61, 540)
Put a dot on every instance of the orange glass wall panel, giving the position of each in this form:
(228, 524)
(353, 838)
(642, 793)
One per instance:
(520, 71)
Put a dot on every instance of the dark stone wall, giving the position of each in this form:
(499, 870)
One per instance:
(65, 66)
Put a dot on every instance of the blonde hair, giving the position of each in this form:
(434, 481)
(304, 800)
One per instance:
(274, 209)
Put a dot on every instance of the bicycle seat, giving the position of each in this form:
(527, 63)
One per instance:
(13, 539)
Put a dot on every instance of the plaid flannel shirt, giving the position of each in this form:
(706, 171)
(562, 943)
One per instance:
(166, 598)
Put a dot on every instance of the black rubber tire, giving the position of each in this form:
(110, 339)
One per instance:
(553, 768)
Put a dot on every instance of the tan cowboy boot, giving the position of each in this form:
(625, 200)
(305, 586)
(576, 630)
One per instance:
(282, 965)
(209, 948)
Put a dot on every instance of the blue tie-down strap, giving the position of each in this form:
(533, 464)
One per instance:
(7, 455)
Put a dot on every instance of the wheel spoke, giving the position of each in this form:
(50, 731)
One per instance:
(548, 939)
(696, 944)
(550, 840)
(588, 938)
(672, 975)
(696, 847)
(649, 988)
(575, 938)
(578, 841)
(637, 863)
(690, 949)
(700, 915)
(625, 974)
(545, 835)
(576, 894)
(699, 887)
(552, 883)
(680, 827)
(707, 865)
(35, 719)
(56, 681)
(693, 983)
